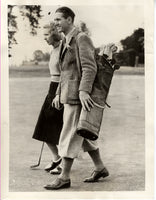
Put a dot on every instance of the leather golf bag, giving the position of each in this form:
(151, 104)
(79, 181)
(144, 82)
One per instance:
(90, 121)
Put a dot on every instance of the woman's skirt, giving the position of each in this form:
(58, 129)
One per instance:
(50, 120)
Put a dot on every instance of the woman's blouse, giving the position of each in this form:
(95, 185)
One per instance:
(54, 65)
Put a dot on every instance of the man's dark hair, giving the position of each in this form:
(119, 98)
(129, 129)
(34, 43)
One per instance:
(67, 12)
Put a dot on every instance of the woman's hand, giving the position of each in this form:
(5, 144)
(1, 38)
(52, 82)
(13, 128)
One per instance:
(86, 100)
(56, 102)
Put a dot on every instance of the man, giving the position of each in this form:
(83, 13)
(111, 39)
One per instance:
(74, 92)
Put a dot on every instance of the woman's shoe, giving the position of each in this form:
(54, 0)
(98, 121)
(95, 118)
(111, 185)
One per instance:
(57, 170)
(96, 175)
(52, 165)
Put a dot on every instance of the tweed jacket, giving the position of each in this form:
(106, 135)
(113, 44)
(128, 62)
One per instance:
(78, 67)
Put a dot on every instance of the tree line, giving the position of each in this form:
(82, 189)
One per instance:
(131, 54)
(133, 49)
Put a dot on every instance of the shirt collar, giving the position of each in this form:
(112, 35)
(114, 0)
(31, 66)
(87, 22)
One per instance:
(70, 35)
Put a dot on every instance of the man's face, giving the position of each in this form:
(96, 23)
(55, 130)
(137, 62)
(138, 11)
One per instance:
(61, 23)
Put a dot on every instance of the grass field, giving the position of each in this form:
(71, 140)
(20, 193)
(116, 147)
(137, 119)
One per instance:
(121, 141)
(43, 71)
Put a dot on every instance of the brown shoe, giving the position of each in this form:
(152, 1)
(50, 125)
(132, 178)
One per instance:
(96, 175)
(58, 184)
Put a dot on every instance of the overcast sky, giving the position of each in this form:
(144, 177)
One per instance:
(106, 23)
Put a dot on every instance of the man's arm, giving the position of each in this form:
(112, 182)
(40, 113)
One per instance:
(88, 68)
(87, 62)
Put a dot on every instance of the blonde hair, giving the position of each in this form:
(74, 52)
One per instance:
(51, 26)
(52, 29)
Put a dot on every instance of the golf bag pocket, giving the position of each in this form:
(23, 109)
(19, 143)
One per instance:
(90, 122)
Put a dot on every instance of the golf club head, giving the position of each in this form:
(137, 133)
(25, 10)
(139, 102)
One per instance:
(34, 166)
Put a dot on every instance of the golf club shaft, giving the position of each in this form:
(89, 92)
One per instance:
(40, 154)
(39, 160)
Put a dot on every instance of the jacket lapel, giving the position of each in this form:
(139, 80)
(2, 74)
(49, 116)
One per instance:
(61, 50)
(64, 47)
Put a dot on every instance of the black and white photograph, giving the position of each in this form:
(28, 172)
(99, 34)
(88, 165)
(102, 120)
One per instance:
(77, 107)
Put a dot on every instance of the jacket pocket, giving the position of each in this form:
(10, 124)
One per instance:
(73, 89)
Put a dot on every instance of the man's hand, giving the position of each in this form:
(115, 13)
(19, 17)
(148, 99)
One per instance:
(86, 100)
(56, 102)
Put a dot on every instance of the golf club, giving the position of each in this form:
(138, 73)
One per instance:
(39, 160)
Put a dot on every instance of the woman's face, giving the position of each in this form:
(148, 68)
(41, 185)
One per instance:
(51, 35)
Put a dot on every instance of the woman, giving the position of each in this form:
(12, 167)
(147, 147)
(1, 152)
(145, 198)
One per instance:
(50, 119)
